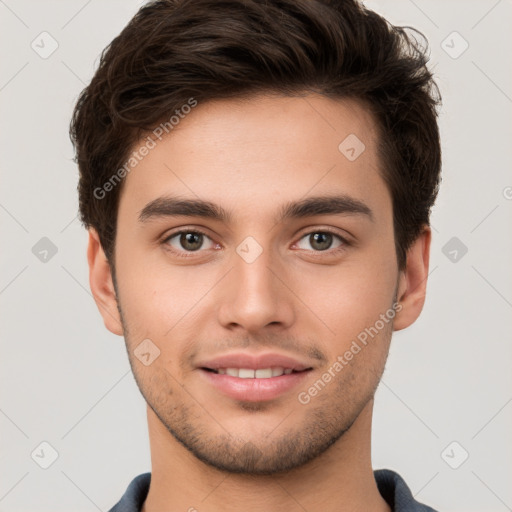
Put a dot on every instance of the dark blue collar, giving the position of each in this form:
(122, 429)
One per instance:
(390, 484)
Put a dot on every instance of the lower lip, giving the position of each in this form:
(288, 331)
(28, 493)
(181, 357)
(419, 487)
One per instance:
(254, 390)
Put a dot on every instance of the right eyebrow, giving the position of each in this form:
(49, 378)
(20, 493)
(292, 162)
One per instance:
(167, 206)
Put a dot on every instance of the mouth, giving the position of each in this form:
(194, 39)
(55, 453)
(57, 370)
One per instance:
(245, 377)
(250, 373)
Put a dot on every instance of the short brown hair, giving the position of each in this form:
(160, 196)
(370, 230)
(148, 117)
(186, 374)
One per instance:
(173, 50)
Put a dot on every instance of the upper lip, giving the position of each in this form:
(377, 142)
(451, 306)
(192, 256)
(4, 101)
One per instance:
(254, 362)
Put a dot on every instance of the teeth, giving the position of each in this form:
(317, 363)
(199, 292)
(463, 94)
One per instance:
(247, 373)
(263, 373)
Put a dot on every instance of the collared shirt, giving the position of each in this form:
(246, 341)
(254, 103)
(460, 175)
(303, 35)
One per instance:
(390, 484)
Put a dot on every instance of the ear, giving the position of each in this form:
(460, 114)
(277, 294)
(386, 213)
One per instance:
(412, 284)
(102, 286)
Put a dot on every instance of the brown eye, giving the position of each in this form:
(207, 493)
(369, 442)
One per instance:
(191, 241)
(321, 241)
(188, 241)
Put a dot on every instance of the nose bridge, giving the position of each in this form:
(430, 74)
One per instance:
(254, 275)
(254, 297)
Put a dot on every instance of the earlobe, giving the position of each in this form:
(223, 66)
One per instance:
(413, 281)
(102, 287)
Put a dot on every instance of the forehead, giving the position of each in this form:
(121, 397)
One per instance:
(251, 154)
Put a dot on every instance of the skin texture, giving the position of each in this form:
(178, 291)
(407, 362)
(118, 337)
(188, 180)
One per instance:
(251, 156)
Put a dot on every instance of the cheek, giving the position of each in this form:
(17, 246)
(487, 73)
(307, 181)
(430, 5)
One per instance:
(352, 296)
(157, 297)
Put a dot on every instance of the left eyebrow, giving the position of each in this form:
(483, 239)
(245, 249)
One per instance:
(325, 205)
(168, 206)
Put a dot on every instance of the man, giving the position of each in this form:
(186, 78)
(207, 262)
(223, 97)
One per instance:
(257, 179)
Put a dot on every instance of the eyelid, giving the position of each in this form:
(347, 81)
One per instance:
(184, 229)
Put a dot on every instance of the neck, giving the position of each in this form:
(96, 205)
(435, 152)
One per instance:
(341, 479)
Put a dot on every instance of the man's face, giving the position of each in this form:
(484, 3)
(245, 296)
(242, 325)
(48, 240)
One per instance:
(254, 291)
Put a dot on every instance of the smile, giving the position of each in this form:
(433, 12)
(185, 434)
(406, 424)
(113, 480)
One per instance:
(248, 373)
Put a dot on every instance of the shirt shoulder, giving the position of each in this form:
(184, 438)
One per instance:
(391, 486)
(397, 494)
(135, 494)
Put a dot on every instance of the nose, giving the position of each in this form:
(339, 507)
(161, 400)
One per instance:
(256, 295)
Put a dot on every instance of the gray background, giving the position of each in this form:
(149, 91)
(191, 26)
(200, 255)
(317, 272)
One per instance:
(66, 380)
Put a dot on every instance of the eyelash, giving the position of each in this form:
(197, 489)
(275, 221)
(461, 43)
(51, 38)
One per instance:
(188, 254)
